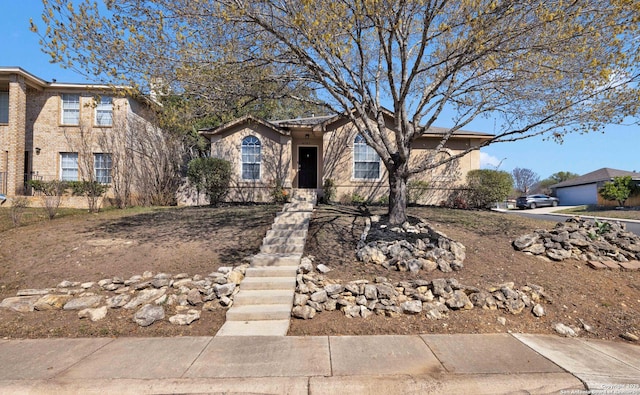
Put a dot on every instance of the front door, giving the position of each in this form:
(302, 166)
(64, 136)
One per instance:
(308, 167)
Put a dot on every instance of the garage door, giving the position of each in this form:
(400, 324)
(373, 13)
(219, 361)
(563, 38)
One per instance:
(577, 195)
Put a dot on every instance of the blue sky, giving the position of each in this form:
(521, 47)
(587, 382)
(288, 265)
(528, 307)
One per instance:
(618, 147)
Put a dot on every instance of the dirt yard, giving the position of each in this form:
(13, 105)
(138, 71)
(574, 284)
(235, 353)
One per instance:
(90, 247)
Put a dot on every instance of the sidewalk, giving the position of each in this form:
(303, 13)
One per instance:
(425, 364)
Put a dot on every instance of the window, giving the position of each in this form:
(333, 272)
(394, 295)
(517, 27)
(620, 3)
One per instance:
(102, 168)
(69, 166)
(4, 107)
(250, 158)
(70, 109)
(104, 111)
(366, 162)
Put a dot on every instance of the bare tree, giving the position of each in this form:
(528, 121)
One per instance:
(524, 180)
(540, 67)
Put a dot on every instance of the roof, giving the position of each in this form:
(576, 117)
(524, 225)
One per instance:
(242, 120)
(38, 82)
(320, 122)
(604, 174)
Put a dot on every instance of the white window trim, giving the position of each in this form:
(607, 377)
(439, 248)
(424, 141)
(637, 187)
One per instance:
(62, 167)
(353, 164)
(62, 109)
(95, 113)
(250, 180)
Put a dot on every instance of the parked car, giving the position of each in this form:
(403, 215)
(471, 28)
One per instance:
(533, 201)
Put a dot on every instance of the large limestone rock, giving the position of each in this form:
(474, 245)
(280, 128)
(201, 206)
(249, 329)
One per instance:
(148, 314)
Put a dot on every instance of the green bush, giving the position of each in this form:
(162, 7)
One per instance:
(92, 190)
(485, 187)
(211, 176)
(620, 189)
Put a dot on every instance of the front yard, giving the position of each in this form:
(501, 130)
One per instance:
(90, 247)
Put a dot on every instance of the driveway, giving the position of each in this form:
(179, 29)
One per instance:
(549, 213)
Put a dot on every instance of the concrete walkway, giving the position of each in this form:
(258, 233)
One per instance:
(263, 305)
(425, 364)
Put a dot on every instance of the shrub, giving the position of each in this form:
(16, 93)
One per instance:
(211, 176)
(279, 194)
(52, 192)
(329, 190)
(17, 209)
(487, 186)
(416, 190)
(356, 198)
(92, 190)
(620, 189)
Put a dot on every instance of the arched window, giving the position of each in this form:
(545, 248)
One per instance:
(366, 162)
(251, 158)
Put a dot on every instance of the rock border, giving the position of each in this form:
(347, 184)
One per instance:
(147, 296)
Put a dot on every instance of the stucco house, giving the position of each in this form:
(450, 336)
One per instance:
(303, 153)
(584, 189)
(63, 131)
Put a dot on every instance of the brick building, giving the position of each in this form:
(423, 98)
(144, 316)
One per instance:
(63, 131)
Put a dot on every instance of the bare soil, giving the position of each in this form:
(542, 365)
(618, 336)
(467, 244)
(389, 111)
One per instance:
(89, 247)
(123, 243)
(607, 300)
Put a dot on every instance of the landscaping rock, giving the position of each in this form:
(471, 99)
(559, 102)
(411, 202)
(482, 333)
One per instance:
(303, 312)
(185, 319)
(564, 330)
(148, 314)
(593, 242)
(21, 304)
(93, 314)
(51, 302)
(83, 302)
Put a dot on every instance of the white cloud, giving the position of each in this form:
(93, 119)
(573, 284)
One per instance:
(488, 161)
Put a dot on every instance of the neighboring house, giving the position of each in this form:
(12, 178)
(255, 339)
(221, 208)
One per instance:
(584, 189)
(63, 131)
(303, 153)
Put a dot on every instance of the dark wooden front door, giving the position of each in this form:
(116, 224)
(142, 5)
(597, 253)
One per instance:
(308, 167)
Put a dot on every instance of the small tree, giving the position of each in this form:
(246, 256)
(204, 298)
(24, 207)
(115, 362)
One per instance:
(619, 189)
(524, 180)
(487, 186)
(211, 176)
(52, 192)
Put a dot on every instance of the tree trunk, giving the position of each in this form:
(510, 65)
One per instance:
(398, 195)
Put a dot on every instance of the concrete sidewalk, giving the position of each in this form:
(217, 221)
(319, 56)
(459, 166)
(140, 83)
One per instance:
(425, 364)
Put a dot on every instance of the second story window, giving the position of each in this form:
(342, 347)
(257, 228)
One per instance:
(70, 109)
(4, 107)
(104, 111)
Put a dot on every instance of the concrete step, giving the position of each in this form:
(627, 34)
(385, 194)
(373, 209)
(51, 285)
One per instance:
(294, 214)
(255, 328)
(282, 249)
(271, 271)
(283, 240)
(287, 233)
(291, 220)
(295, 226)
(263, 259)
(269, 283)
(298, 206)
(263, 297)
(267, 312)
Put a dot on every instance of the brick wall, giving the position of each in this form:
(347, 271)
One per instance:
(16, 134)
